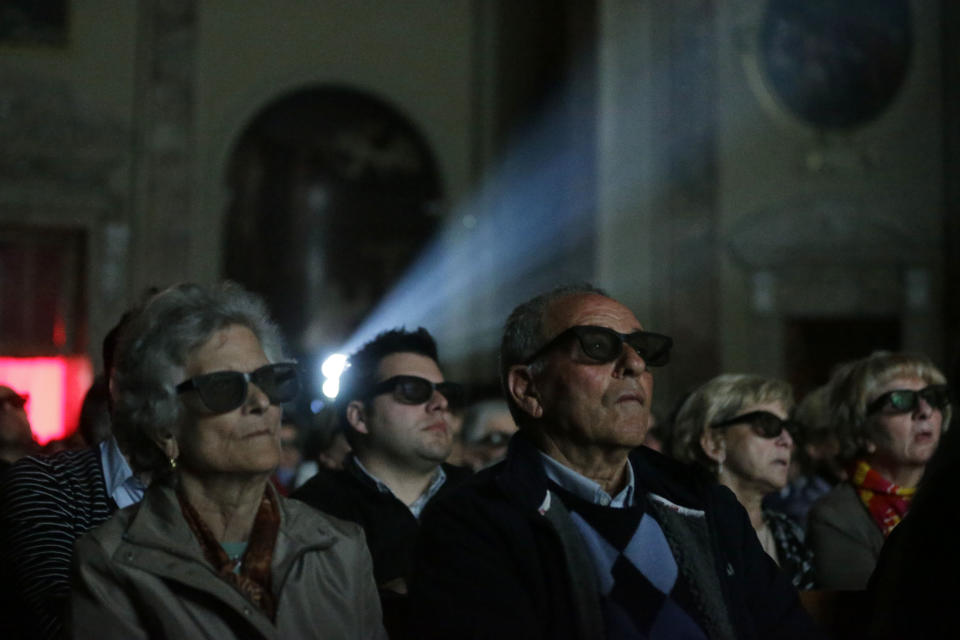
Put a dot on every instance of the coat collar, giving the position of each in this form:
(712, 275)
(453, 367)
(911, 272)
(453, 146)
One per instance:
(157, 530)
(522, 478)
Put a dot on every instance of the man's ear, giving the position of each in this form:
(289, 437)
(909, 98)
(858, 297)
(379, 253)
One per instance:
(523, 390)
(168, 444)
(714, 445)
(357, 416)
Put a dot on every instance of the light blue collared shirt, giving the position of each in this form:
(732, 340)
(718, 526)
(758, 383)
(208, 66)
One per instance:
(417, 505)
(124, 487)
(585, 488)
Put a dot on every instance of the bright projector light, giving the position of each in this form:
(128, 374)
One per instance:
(333, 366)
(331, 369)
(331, 387)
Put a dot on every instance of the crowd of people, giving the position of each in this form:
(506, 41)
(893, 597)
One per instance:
(198, 510)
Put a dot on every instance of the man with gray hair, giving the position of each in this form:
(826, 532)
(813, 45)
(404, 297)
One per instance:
(581, 533)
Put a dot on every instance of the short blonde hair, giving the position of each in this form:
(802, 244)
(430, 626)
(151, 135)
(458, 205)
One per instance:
(720, 399)
(854, 386)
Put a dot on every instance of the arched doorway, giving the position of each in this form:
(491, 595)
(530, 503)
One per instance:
(333, 194)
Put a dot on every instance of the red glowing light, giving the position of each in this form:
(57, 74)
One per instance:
(59, 331)
(56, 386)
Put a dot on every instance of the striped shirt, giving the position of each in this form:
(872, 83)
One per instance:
(46, 503)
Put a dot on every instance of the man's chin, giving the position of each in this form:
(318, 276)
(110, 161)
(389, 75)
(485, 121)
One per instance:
(436, 454)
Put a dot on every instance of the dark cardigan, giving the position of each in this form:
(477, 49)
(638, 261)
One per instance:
(495, 561)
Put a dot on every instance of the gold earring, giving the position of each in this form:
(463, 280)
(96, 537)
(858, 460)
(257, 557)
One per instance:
(173, 464)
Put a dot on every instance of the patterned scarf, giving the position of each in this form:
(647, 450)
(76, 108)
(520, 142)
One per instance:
(253, 578)
(886, 502)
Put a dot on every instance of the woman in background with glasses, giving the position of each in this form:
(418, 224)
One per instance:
(890, 410)
(213, 550)
(737, 427)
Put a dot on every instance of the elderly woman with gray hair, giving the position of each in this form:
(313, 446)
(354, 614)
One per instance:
(213, 550)
(737, 427)
(890, 410)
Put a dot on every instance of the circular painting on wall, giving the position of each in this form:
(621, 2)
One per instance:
(835, 64)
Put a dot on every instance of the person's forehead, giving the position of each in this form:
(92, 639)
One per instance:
(901, 382)
(409, 364)
(588, 309)
(234, 347)
(773, 406)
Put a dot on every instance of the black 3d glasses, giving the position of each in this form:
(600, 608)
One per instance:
(605, 345)
(763, 423)
(906, 400)
(223, 391)
(417, 390)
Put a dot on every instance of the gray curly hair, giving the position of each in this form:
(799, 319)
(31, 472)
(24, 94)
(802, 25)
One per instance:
(153, 349)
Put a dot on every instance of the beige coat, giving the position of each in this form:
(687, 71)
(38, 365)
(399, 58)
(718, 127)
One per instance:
(142, 574)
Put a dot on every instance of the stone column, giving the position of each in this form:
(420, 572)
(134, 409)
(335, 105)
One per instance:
(164, 143)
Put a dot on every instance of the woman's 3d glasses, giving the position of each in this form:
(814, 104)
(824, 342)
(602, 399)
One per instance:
(605, 345)
(417, 390)
(223, 391)
(907, 400)
(763, 423)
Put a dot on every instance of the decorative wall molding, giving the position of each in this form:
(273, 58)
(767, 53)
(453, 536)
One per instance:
(828, 231)
(56, 156)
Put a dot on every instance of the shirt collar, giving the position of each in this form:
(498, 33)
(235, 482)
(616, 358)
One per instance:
(122, 485)
(585, 488)
(416, 507)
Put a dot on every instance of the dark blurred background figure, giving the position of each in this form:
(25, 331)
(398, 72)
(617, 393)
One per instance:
(48, 501)
(913, 591)
(814, 469)
(737, 427)
(16, 439)
(487, 429)
(656, 433)
(334, 454)
(890, 410)
(456, 431)
(291, 455)
(94, 426)
(324, 445)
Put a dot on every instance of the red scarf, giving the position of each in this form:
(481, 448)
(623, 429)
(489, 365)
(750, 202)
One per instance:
(886, 502)
(253, 579)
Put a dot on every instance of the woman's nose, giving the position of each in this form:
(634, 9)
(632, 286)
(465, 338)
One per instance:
(257, 400)
(785, 439)
(924, 409)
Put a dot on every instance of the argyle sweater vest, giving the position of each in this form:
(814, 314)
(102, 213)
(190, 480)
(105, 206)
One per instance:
(642, 593)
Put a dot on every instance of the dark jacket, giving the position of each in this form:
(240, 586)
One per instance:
(390, 528)
(845, 540)
(500, 557)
